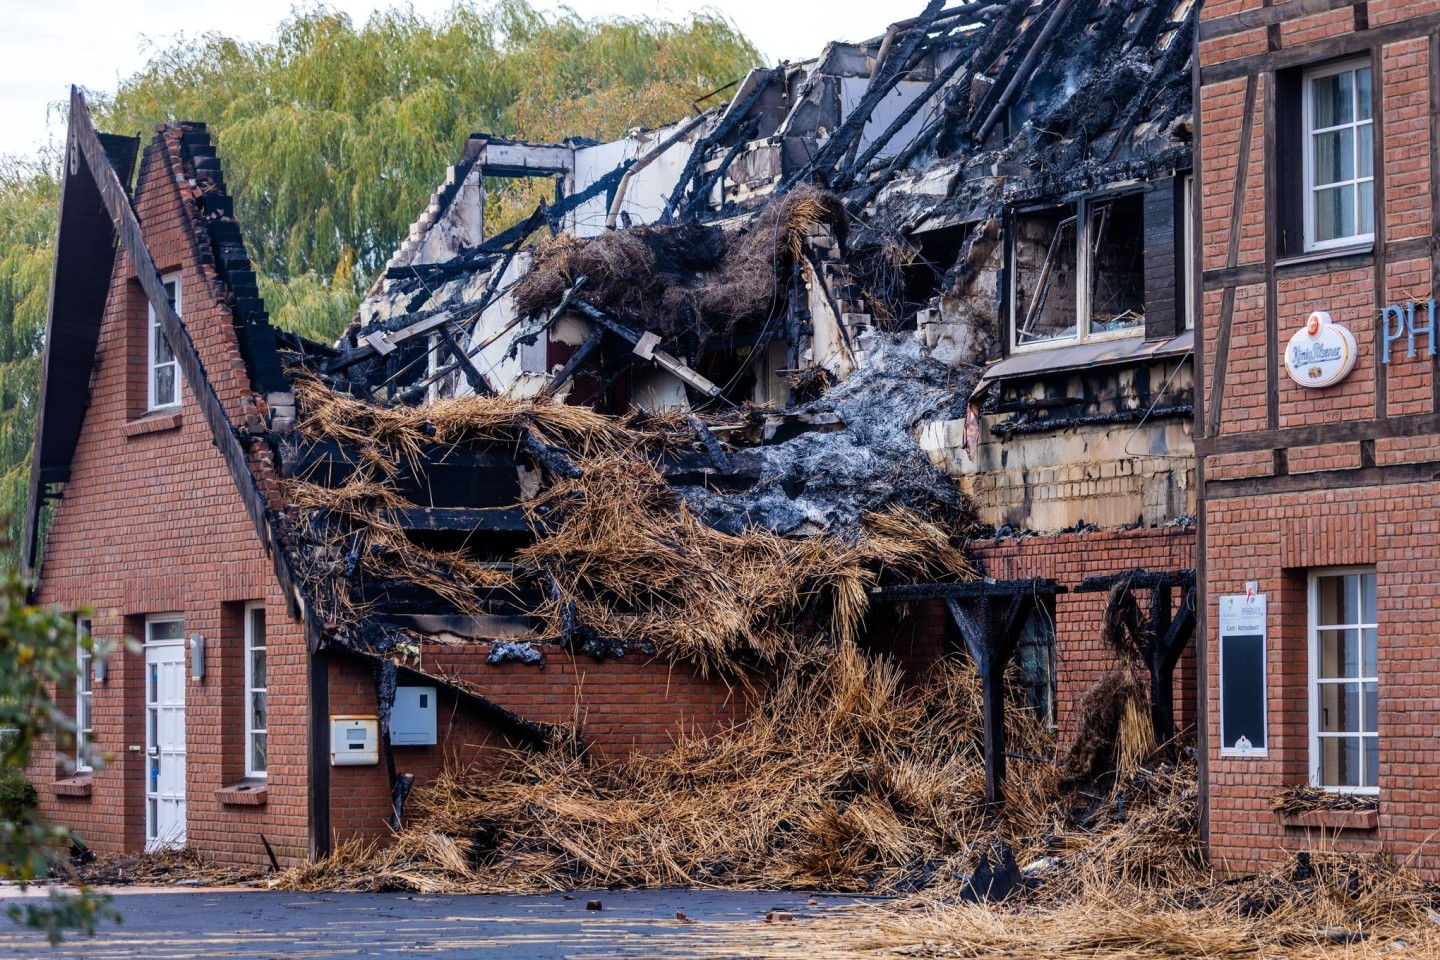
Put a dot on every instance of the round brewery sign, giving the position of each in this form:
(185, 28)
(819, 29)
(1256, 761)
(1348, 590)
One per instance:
(1322, 353)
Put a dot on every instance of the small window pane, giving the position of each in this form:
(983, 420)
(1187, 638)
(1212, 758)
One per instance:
(1339, 708)
(1363, 95)
(1333, 100)
(1367, 599)
(1372, 708)
(257, 753)
(1334, 156)
(1339, 654)
(1366, 214)
(167, 629)
(1340, 761)
(257, 667)
(257, 710)
(1365, 150)
(1372, 763)
(164, 385)
(163, 353)
(1369, 652)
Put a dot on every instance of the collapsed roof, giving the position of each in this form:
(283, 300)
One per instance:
(685, 420)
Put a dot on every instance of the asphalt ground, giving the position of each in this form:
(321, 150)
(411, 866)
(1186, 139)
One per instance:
(166, 923)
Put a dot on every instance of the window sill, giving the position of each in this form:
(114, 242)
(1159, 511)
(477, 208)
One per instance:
(246, 793)
(1333, 819)
(77, 786)
(153, 423)
(1336, 253)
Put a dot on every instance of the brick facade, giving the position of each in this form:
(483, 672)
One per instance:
(150, 523)
(1299, 480)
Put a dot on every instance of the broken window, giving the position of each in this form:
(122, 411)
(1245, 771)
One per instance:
(1045, 267)
(1034, 676)
(1117, 267)
(1102, 240)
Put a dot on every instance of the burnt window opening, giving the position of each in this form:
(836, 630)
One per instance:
(1084, 271)
(1117, 266)
(1045, 267)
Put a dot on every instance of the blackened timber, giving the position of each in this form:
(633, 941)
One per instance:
(477, 380)
(894, 69)
(440, 476)
(732, 119)
(581, 354)
(1138, 578)
(550, 457)
(552, 213)
(460, 519)
(965, 590)
(1216, 399)
(990, 626)
(696, 204)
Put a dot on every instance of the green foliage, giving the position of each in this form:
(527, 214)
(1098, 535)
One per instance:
(37, 655)
(333, 137)
(18, 798)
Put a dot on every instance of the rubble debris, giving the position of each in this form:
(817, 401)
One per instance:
(507, 652)
(1303, 798)
(842, 779)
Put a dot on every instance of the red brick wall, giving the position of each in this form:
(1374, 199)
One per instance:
(1081, 656)
(1277, 538)
(150, 523)
(620, 706)
(1378, 526)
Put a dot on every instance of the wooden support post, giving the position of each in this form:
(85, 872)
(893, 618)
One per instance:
(991, 637)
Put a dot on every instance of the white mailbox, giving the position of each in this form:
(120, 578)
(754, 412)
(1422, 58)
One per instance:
(412, 718)
(354, 741)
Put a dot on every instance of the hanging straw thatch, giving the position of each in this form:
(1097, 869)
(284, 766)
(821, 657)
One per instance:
(618, 552)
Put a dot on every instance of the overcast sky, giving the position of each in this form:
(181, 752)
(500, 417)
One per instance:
(46, 45)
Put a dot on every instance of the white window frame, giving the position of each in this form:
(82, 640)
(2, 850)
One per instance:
(84, 694)
(251, 768)
(1083, 293)
(1313, 637)
(1307, 134)
(151, 367)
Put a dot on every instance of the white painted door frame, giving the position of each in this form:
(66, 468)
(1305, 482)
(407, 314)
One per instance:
(164, 732)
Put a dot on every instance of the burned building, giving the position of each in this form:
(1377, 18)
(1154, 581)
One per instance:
(891, 346)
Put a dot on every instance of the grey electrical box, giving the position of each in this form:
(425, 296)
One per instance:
(412, 719)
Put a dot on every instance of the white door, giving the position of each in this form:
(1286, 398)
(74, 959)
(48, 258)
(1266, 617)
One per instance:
(164, 734)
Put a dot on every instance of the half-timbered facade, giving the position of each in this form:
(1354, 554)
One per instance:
(1318, 423)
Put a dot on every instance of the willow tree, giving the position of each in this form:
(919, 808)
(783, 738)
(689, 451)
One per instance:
(334, 135)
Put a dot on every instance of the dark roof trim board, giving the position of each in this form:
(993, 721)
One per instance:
(84, 260)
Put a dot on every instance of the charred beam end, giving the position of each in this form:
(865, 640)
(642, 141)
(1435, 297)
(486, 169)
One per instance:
(551, 458)
(970, 589)
(1138, 579)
